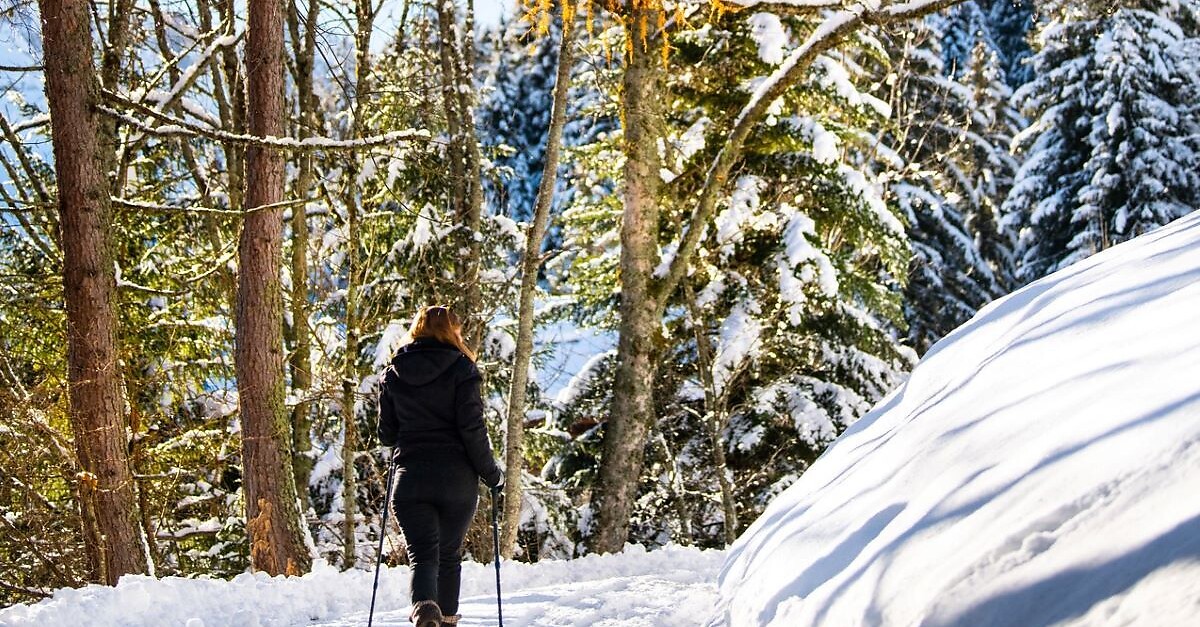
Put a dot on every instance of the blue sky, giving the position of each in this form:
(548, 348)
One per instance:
(488, 12)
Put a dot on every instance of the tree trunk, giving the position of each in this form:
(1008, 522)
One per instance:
(349, 383)
(364, 15)
(116, 48)
(465, 167)
(643, 300)
(304, 50)
(275, 528)
(632, 408)
(473, 216)
(715, 418)
(116, 545)
(232, 105)
(454, 150)
(514, 448)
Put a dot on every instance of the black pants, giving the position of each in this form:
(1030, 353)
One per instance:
(435, 501)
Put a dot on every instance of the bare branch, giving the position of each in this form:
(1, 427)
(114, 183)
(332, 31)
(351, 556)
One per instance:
(29, 591)
(175, 127)
(152, 207)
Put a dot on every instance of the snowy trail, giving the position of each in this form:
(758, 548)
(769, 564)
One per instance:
(669, 587)
(671, 599)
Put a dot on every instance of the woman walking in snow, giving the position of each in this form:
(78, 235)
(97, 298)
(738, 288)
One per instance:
(431, 411)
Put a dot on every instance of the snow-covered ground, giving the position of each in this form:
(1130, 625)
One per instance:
(668, 587)
(1041, 466)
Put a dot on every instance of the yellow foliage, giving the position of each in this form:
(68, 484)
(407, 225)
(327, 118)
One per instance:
(539, 14)
(721, 7)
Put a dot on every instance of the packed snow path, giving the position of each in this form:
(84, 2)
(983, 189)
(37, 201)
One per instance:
(671, 587)
(1040, 467)
(671, 598)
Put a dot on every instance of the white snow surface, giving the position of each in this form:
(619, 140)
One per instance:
(673, 586)
(1039, 467)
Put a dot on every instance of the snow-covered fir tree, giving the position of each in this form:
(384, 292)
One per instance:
(1004, 27)
(956, 31)
(952, 129)
(783, 333)
(1112, 150)
(1010, 25)
(516, 113)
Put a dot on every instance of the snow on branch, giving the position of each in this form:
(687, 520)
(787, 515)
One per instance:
(221, 262)
(835, 28)
(193, 72)
(156, 208)
(36, 121)
(174, 127)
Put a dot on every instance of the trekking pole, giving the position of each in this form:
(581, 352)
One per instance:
(387, 503)
(496, 550)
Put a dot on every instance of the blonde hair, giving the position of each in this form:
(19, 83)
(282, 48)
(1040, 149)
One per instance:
(437, 322)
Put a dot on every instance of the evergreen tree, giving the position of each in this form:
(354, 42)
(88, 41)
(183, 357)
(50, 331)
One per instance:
(516, 114)
(1003, 26)
(952, 131)
(956, 31)
(1111, 153)
(1010, 24)
(994, 121)
(782, 335)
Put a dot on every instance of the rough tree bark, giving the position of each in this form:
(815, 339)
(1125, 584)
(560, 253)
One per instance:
(632, 408)
(531, 262)
(273, 520)
(349, 385)
(113, 537)
(473, 218)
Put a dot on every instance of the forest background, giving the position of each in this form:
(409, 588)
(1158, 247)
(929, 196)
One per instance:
(705, 236)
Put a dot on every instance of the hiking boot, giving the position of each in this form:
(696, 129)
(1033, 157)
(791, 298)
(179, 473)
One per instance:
(451, 621)
(426, 614)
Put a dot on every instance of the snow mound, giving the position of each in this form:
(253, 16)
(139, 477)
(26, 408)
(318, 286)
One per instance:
(673, 586)
(1041, 466)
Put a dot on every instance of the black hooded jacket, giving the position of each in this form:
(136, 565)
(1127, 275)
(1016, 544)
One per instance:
(430, 408)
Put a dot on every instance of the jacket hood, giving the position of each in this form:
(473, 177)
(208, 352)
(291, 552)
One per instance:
(421, 362)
